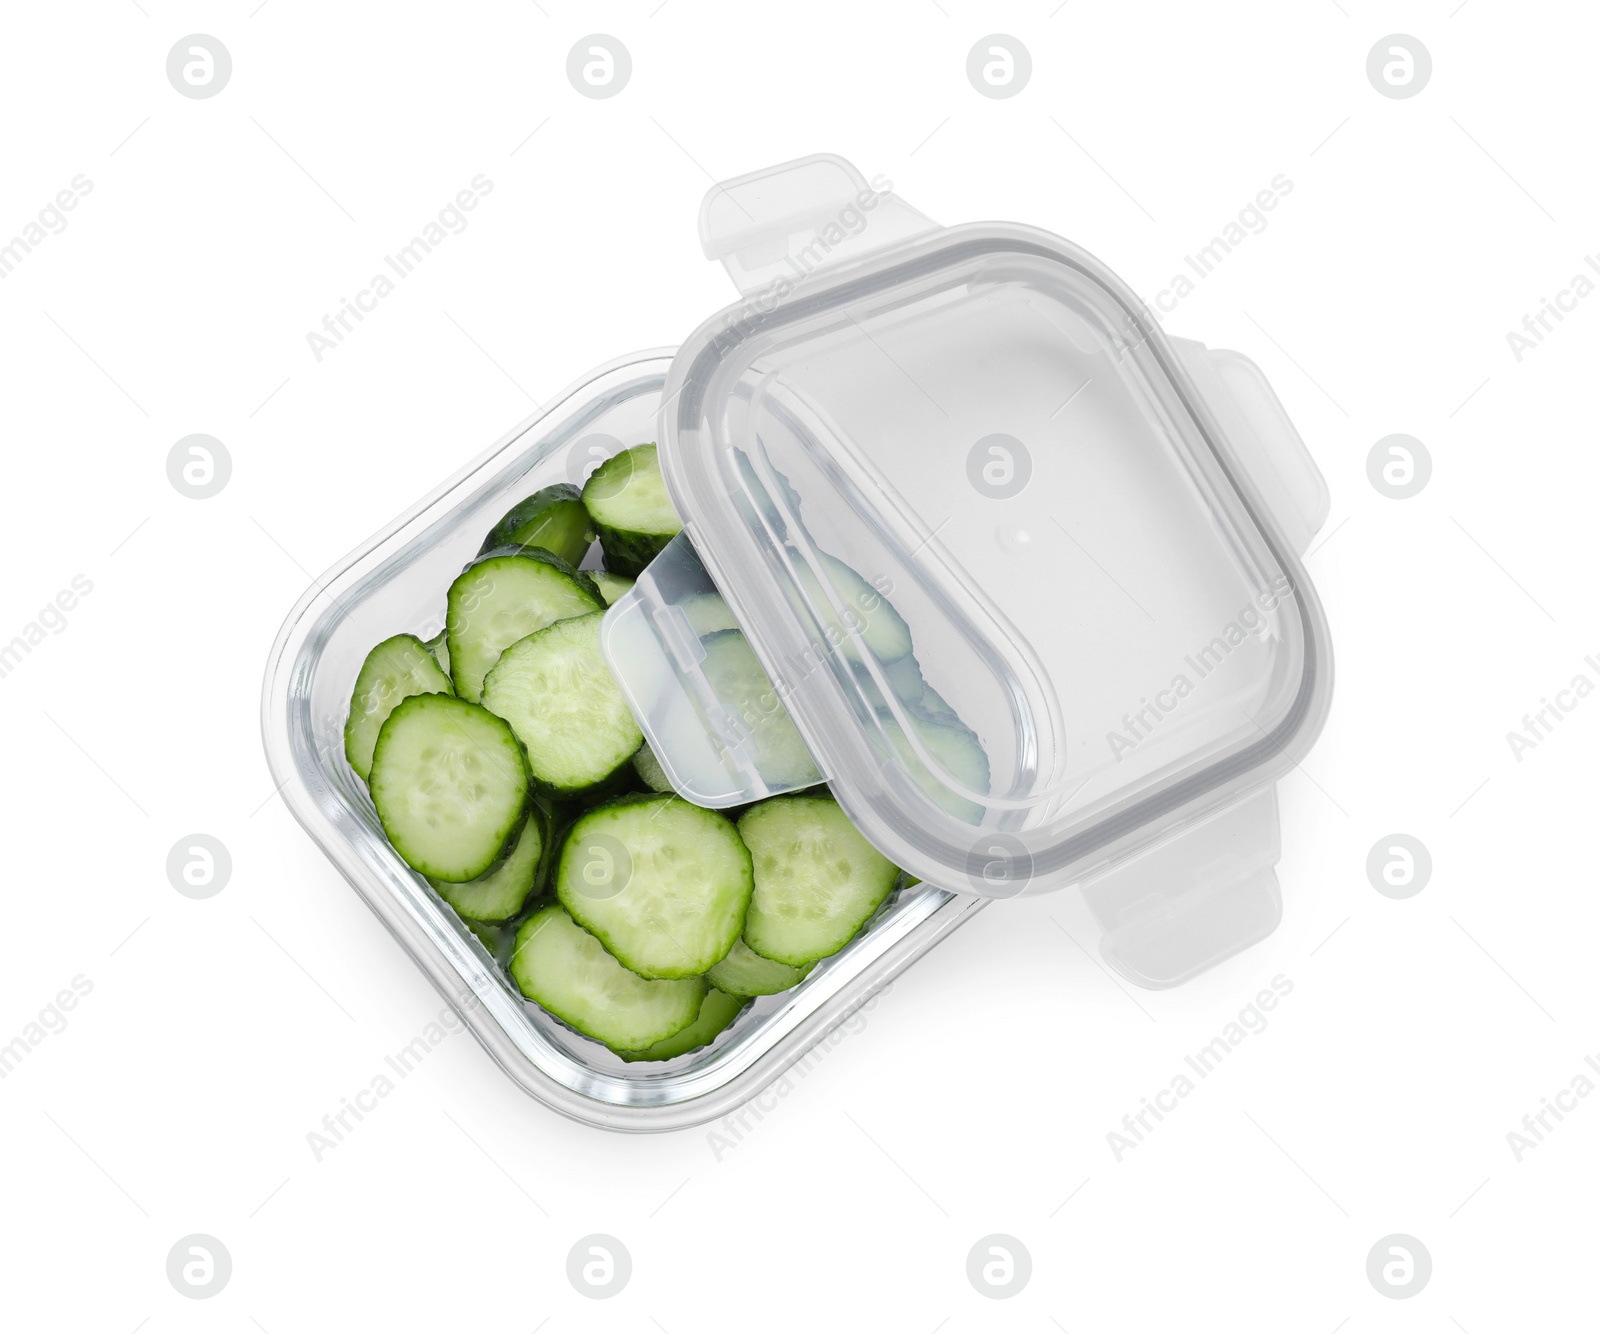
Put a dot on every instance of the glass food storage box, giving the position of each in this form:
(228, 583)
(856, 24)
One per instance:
(1090, 531)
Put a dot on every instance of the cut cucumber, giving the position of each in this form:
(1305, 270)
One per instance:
(662, 883)
(777, 507)
(960, 761)
(503, 598)
(958, 754)
(496, 937)
(717, 1011)
(561, 700)
(450, 784)
(440, 648)
(566, 970)
(396, 669)
(905, 678)
(553, 519)
(627, 501)
(611, 586)
(865, 614)
(707, 613)
(817, 879)
(743, 687)
(936, 709)
(649, 769)
(745, 973)
(906, 682)
(911, 687)
(501, 893)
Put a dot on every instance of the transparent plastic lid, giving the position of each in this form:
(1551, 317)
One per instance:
(957, 496)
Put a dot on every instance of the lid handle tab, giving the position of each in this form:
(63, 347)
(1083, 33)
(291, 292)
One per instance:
(1194, 899)
(777, 226)
(714, 719)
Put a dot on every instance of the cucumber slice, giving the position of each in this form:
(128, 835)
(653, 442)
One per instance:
(500, 893)
(743, 687)
(953, 745)
(905, 679)
(396, 669)
(717, 1011)
(778, 507)
(957, 752)
(745, 973)
(817, 879)
(500, 599)
(561, 700)
(450, 784)
(496, 937)
(936, 709)
(440, 648)
(611, 586)
(707, 613)
(867, 614)
(649, 769)
(663, 884)
(910, 688)
(566, 970)
(627, 501)
(553, 519)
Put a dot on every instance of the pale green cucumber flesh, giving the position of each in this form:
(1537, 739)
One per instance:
(743, 687)
(450, 785)
(817, 880)
(439, 646)
(707, 613)
(501, 892)
(496, 936)
(663, 884)
(649, 769)
(396, 669)
(561, 700)
(504, 598)
(745, 973)
(632, 514)
(960, 763)
(563, 968)
(611, 586)
(717, 1011)
(857, 615)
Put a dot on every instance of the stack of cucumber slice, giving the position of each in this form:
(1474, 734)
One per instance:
(506, 768)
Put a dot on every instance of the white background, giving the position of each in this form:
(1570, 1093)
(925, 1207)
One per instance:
(979, 1093)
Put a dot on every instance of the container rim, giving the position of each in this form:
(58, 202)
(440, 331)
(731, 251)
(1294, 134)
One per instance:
(459, 968)
(1121, 830)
